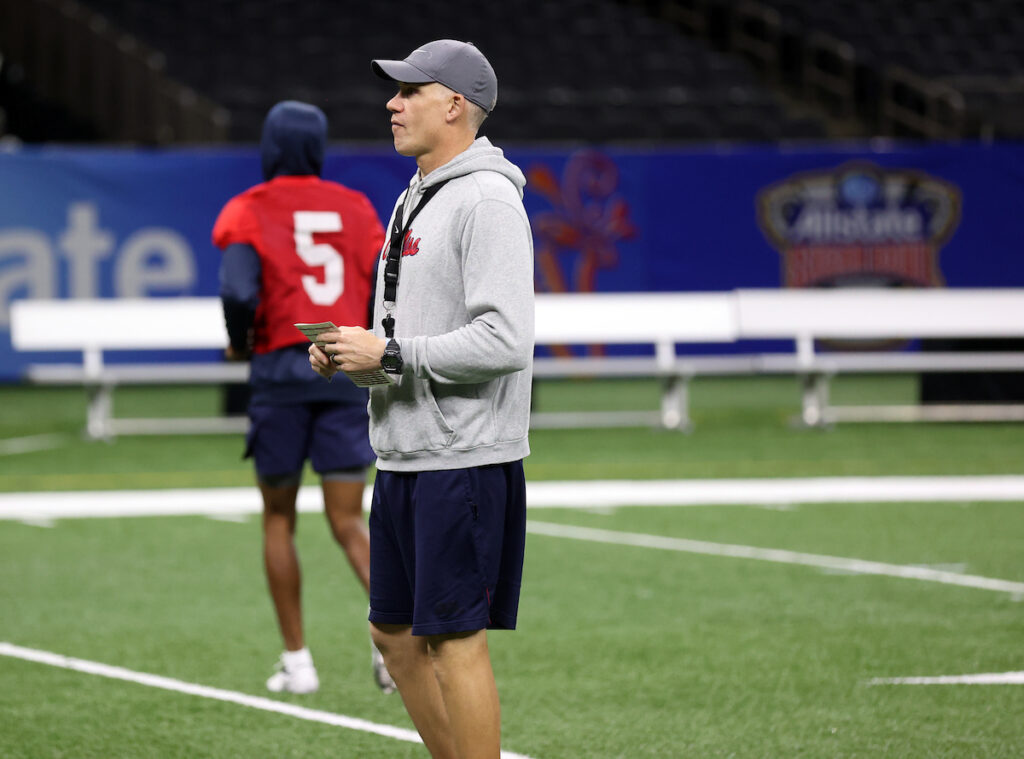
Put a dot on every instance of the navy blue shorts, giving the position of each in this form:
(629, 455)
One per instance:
(332, 436)
(446, 548)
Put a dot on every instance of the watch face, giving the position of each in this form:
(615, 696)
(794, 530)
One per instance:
(391, 361)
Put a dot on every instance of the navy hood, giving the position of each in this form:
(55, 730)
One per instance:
(293, 141)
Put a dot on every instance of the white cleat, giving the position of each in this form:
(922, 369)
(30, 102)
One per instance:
(295, 674)
(380, 673)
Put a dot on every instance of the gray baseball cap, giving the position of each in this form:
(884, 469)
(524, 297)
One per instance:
(459, 66)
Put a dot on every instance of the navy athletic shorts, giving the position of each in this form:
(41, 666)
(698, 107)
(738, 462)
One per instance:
(446, 548)
(333, 436)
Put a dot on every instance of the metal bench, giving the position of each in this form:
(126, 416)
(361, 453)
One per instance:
(662, 321)
(97, 327)
(874, 314)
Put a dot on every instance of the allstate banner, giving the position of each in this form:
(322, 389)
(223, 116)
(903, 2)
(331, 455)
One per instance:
(82, 223)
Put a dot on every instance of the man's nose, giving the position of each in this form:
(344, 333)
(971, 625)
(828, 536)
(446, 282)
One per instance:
(394, 105)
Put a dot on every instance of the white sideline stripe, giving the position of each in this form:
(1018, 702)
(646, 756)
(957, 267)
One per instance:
(770, 491)
(179, 686)
(858, 566)
(203, 691)
(985, 678)
(15, 445)
(588, 494)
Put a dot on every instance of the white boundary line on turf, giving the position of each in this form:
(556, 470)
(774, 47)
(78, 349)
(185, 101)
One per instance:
(584, 494)
(984, 678)
(14, 445)
(774, 492)
(858, 566)
(203, 691)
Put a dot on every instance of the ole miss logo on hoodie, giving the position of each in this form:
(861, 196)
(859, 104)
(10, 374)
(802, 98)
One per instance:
(410, 246)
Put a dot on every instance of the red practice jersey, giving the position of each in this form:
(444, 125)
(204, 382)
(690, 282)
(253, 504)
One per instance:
(317, 241)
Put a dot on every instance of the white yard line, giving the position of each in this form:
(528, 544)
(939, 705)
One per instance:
(218, 694)
(15, 445)
(773, 492)
(984, 678)
(857, 566)
(227, 503)
(584, 494)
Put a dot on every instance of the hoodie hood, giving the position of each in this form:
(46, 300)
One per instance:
(480, 156)
(294, 140)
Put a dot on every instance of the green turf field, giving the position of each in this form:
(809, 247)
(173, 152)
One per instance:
(743, 429)
(623, 651)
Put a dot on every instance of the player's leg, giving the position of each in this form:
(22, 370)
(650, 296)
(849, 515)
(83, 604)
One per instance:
(343, 506)
(408, 659)
(276, 442)
(340, 451)
(280, 558)
(462, 668)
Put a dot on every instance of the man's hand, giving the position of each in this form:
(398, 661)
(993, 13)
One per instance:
(320, 362)
(351, 349)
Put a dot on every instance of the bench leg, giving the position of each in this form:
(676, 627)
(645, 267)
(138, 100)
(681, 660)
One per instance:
(815, 399)
(98, 412)
(675, 403)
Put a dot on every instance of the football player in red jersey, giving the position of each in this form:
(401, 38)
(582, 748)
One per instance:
(298, 248)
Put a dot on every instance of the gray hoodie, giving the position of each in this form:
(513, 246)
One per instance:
(463, 320)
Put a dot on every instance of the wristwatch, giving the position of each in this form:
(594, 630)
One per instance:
(391, 361)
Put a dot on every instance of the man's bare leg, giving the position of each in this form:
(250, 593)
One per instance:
(411, 665)
(343, 505)
(282, 562)
(462, 665)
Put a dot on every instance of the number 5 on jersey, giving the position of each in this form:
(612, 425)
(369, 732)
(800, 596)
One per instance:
(327, 292)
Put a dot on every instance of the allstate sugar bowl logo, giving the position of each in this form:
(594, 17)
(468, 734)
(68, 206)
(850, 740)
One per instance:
(859, 224)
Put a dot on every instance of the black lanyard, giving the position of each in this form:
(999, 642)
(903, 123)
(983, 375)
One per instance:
(394, 260)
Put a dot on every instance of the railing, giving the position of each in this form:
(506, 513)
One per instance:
(915, 107)
(827, 70)
(757, 36)
(829, 73)
(980, 93)
(691, 15)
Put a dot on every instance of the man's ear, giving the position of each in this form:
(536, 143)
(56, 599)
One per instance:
(456, 107)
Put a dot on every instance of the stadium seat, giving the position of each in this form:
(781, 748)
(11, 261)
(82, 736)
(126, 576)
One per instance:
(582, 56)
(964, 44)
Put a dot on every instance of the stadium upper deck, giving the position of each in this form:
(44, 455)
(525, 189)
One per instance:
(576, 70)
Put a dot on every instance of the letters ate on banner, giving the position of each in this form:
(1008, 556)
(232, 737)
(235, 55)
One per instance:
(78, 223)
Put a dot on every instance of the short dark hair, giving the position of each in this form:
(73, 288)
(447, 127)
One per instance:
(477, 115)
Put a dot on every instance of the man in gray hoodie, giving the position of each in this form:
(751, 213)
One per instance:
(453, 328)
